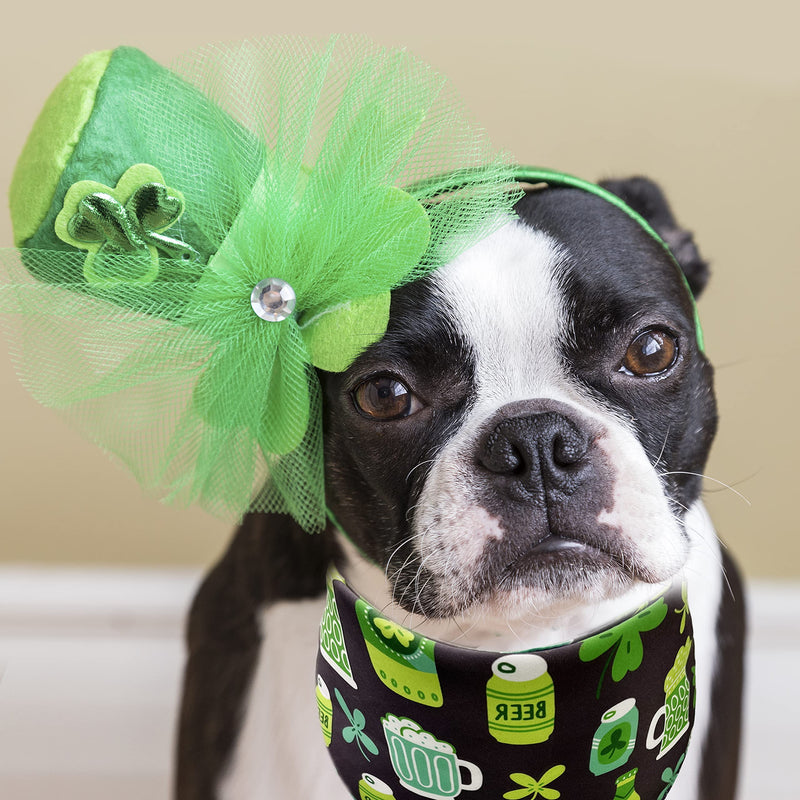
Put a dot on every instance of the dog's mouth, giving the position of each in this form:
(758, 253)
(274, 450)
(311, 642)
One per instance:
(557, 544)
(556, 569)
(557, 554)
(558, 549)
(559, 563)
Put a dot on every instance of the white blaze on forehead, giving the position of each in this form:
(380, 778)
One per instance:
(505, 299)
(503, 296)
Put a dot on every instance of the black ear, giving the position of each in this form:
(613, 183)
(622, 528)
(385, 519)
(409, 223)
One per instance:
(646, 198)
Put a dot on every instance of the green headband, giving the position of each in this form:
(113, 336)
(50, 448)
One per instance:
(194, 242)
(553, 178)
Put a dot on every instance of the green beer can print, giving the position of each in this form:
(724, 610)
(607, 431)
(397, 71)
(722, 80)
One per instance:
(615, 737)
(325, 708)
(404, 661)
(520, 699)
(372, 788)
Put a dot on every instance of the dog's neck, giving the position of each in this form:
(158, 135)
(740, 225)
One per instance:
(540, 626)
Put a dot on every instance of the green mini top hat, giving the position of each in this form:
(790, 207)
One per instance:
(84, 132)
(194, 241)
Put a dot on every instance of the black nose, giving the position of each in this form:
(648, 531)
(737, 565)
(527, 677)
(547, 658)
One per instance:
(535, 454)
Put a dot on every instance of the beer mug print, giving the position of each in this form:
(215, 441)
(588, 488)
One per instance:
(331, 638)
(520, 700)
(403, 660)
(676, 705)
(425, 765)
(372, 788)
(614, 740)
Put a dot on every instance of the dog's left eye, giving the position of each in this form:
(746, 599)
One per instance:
(385, 398)
(652, 352)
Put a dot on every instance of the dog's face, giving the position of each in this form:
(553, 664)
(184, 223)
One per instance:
(532, 424)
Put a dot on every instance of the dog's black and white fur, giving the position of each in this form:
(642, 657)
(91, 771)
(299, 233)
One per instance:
(532, 488)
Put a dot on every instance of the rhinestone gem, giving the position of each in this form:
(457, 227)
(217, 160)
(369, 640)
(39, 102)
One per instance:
(273, 299)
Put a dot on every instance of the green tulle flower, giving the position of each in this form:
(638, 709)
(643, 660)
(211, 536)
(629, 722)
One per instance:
(341, 308)
(313, 166)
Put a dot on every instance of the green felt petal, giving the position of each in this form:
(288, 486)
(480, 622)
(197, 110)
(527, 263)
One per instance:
(336, 338)
(379, 248)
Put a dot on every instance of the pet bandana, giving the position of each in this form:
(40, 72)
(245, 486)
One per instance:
(605, 717)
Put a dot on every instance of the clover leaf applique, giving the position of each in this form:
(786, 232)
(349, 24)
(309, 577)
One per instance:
(624, 641)
(127, 220)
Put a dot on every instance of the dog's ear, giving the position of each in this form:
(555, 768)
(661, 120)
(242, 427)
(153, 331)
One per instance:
(645, 197)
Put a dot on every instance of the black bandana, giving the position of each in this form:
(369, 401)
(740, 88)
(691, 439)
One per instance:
(605, 717)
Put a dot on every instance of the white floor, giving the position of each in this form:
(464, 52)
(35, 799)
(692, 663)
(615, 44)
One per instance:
(90, 668)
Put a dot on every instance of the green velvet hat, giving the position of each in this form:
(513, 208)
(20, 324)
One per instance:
(194, 243)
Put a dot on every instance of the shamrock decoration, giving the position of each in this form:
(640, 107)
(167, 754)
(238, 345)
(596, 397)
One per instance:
(624, 641)
(128, 218)
(355, 731)
(669, 776)
(535, 788)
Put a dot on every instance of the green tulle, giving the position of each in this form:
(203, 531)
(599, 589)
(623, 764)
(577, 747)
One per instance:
(155, 352)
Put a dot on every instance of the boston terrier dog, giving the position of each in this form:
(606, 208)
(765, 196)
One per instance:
(515, 464)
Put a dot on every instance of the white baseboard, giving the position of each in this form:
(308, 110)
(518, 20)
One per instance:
(90, 669)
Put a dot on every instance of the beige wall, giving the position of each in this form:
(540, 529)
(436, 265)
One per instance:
(698, 96)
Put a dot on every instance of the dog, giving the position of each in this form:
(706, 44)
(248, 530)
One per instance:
(517, 462)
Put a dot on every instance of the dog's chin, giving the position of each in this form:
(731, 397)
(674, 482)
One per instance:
(554, 574)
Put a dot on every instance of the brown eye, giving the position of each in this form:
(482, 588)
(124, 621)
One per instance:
(385, 398)
(650, 353)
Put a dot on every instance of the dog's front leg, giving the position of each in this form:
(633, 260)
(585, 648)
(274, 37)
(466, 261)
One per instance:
(243, 685)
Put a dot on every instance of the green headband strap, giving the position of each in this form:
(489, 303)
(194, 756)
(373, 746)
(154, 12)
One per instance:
(554, 178)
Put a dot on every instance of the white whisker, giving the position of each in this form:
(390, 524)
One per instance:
(421, 464)
(709, 478)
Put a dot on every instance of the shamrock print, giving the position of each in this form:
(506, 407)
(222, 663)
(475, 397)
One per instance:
(615, 743)
(535, 788)
(684, 609)
(669, 775)
(355, 731)
(624, 641)
(390, 629)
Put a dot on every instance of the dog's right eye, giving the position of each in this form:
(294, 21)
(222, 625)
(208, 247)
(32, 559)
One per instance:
(651, 353)
(385, 398)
